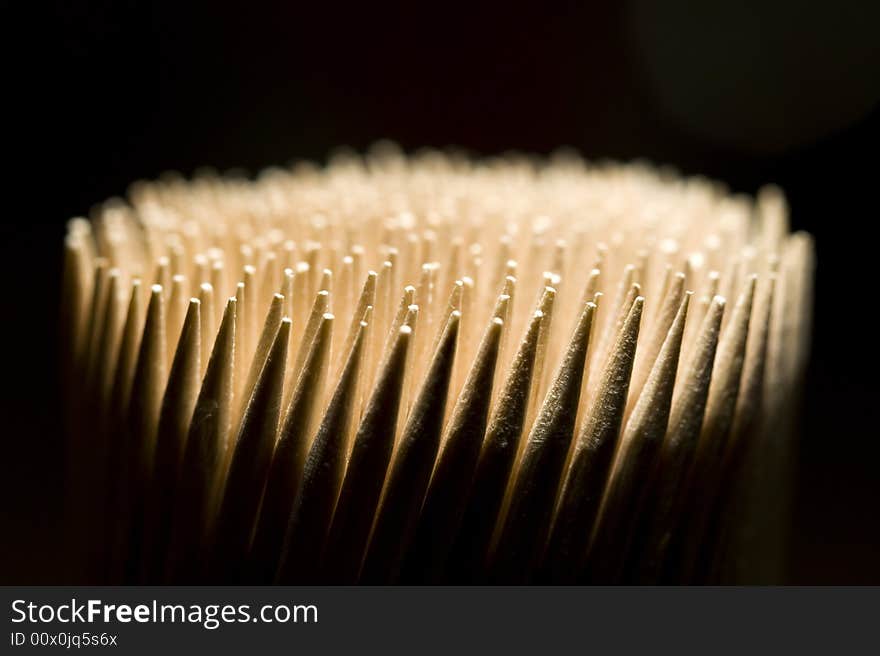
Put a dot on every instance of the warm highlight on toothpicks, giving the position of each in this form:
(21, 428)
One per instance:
(430, 369)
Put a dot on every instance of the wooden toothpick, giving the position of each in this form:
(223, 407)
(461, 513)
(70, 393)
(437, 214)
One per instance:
(470, 412)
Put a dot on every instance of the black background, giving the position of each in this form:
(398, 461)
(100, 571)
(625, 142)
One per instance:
(98, 94)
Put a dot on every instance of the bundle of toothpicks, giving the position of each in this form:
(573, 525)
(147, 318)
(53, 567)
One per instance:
(431, 369)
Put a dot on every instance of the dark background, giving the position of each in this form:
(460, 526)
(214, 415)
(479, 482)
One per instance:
(98, 94)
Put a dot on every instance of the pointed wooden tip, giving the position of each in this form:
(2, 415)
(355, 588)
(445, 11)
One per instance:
(607, 407)
(250, 462)
(407, 483)
(326, 280)
(264, 345)
(545, 304)
(635, 312)
(513, 401)
(501, 307)
(464, 432)
(482, 370)
(533, 491)
(223, 344)
(352, 359)
(685, 303)
(322, 475)
(191, 309)
(651, 411)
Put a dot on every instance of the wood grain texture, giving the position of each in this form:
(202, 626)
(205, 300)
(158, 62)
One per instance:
(433, 369)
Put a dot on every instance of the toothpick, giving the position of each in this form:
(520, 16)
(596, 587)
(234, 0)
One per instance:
(367, 465)
(720, 406)
(496, 461)
(250, 460)
(405, 488)
(448, 489)
(285, 474)
(320, 307)
(261, 353)
(174, 420)
(533, 491)
(665, 490)
(148, 386)
(201, 474)
(322, 477)
(635, 458)
(593, 452)
(436, 480)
